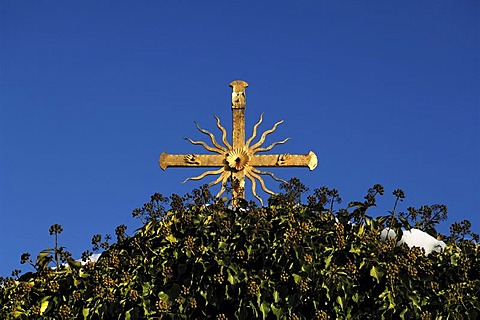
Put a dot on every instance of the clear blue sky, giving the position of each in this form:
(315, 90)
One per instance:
(93, 91)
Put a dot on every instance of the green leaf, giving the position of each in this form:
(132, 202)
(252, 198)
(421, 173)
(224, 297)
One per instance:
(222, 245)
(328, 260)
(74, 264)
(265, 308)
(44, 257)
(356, 297)
(277, 311)
(249, 251)
(297, 278)
(377, 273)
(415, 300)
(163, 296)
(355, 249)
(340, 301)
(276, 296)
(254, 308)
(454, 258)
(44, 305)
(231, 278)
(171, 238)
(77, 281)
(382, 219)
(391, 300)
(146, 288)
(356, 204)
(361, 229)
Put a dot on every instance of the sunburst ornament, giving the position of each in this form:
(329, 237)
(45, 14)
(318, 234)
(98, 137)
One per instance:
(239, 159)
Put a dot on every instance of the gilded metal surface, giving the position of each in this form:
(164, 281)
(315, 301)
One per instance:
(238, 94)
(238, 160)
(191, 159)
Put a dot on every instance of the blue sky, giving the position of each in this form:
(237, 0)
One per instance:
(92, 92)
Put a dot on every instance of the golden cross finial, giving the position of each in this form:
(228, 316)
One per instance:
(239, 159)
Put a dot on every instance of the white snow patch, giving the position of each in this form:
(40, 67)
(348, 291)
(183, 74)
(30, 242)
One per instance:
(415, 238)
(387, 232)
(92, 258)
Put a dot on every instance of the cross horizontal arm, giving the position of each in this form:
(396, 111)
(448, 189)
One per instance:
(191, 160)
(285, 160)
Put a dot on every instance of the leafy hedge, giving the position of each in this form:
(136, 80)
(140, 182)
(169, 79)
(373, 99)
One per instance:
(201, 259)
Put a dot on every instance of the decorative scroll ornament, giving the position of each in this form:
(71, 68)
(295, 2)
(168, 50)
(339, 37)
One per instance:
(191, 159)
(283, 159)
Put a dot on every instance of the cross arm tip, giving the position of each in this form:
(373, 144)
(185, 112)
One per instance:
(312, 163)
(162, 160)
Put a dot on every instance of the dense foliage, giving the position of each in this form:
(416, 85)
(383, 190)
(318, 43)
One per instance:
(201, 259)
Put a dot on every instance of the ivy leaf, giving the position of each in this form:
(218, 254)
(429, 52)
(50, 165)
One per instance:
(163, 296)
(44, 305)
(277, 311)
(171, 238)
(377, 273)
(356, 297)
(340, 301)
(146, 288)
(328, 261)
(74, 264)
(414, 298)
(402, 315)
(361, 229)
(222, 245)
(297, 278)
(354, 249)
(265, 308)
(44, 258)
(391, 300)
(254, 308)
(276, 296)
(231, 278)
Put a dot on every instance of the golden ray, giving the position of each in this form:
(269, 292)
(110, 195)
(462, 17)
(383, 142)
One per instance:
(203, 175)
(254, 187)
(224, 133)
(212, 137)
(269, 174)
(270, 147)
(264, 135)
(262, 183)
(254, 131)
(225, 176)
(220, 178)
(206, 146)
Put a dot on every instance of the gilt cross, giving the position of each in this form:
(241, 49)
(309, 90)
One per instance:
(239, 159)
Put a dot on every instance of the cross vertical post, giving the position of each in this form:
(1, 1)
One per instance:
(238, 134)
